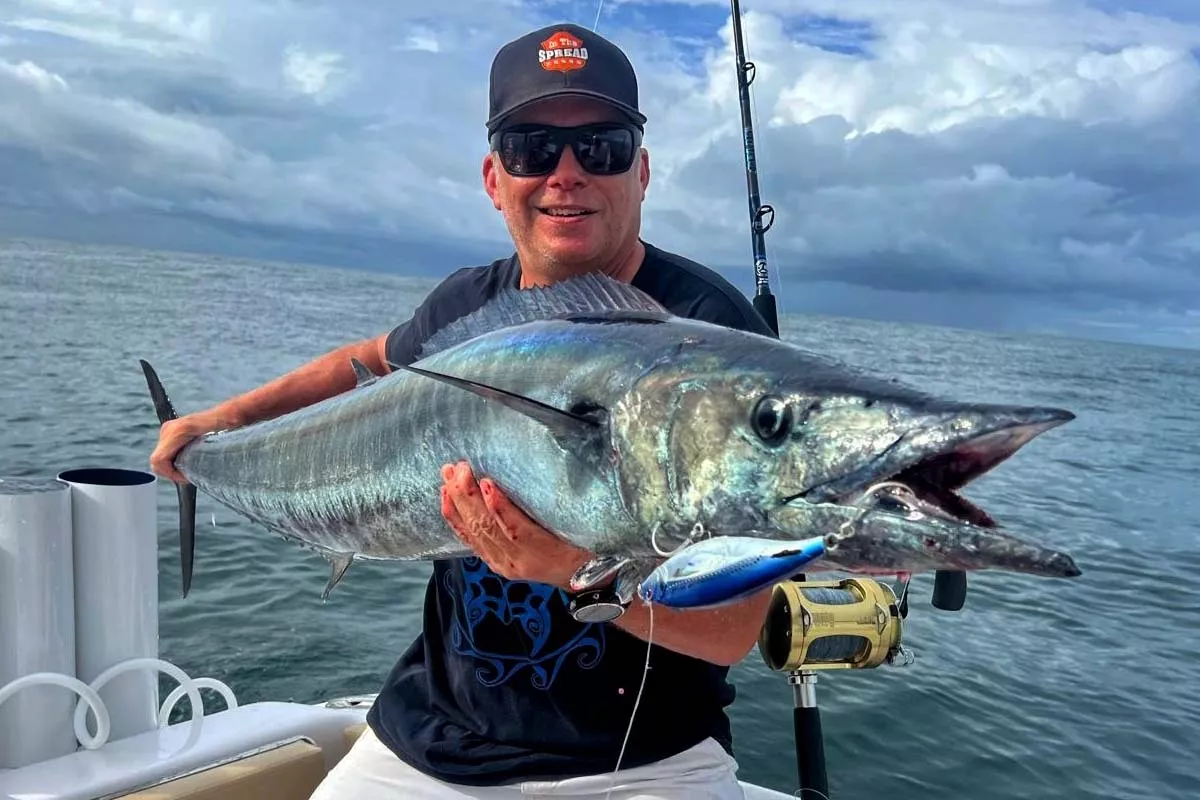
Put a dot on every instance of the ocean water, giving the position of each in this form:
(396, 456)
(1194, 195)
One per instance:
(1049, 689)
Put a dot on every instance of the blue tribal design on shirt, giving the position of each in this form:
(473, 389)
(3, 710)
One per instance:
(509, 627)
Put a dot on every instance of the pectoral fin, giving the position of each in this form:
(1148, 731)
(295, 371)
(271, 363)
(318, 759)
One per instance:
(725, 569)
(568, 428)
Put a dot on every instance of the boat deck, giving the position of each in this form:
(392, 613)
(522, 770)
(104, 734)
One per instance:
(268, 749)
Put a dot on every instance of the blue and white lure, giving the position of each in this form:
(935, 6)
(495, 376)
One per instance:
(724, 569)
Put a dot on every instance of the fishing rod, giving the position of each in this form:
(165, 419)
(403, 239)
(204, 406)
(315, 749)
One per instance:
(950, 588)
(764, 301)
(779, 632)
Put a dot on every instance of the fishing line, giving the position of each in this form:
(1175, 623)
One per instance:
(636, 701)
(597, 22)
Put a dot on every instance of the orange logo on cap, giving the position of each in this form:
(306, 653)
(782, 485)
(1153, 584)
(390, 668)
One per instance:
(562, 52)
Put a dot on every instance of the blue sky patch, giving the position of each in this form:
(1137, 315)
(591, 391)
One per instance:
(674, 21)
(836, 35)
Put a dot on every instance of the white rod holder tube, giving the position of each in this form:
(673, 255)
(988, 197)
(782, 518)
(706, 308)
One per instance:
(37, 618)
(116, 589)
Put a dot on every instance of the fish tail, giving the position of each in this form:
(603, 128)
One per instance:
(185, 492)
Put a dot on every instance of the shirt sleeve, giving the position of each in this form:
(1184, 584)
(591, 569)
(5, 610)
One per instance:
(715, 308)
(458, 294)
(402, 344)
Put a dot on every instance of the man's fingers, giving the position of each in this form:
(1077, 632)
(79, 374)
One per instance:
(474, 522)
(161, 465)
(450, 512)
(477, 533)
(507, 539)
(174, 435)
(507, 516)
(464, 479)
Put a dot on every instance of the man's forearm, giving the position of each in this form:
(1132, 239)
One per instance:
(319, 379)
(721, 635)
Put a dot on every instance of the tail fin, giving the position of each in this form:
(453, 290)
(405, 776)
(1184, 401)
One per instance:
(186, 492)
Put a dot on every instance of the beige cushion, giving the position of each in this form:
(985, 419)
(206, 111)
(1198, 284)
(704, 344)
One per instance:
(289, 772)
(353, 732)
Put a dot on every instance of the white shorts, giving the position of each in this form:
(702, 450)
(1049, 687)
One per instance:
(372, 772)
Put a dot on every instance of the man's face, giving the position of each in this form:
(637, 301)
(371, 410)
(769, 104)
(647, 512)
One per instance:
(565, 245)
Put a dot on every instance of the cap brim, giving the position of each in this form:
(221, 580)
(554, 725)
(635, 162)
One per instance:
(635, 116)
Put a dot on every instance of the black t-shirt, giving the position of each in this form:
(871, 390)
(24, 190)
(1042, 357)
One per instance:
(502, 684)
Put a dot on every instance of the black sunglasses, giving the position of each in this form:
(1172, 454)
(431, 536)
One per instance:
(607, 148)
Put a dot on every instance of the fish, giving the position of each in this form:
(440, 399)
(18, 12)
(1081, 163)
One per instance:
(624, 429)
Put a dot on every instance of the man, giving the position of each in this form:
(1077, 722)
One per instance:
(504, 691)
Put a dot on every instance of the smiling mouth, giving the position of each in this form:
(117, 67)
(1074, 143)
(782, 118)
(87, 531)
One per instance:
(566, 213)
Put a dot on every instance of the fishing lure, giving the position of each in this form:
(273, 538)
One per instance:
(724, 569)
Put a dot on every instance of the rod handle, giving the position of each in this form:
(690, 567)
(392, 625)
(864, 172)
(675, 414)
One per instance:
(810, 754)
(949, 590)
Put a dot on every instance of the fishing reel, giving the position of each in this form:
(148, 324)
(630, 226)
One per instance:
(854, 623)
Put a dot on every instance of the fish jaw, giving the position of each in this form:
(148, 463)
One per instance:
(937, 452)
(928, 525)
(883, 541)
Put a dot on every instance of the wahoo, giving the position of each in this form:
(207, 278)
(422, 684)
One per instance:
(626, 429)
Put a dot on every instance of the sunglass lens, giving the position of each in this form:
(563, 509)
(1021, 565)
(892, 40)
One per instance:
(529, 152)
(604, 151)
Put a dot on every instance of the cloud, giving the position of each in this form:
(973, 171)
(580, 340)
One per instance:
(1002, 154)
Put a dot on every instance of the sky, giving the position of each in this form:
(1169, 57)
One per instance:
(1021, 165)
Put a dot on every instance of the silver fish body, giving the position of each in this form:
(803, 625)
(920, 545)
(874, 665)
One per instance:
(360, 473)
(621, 427)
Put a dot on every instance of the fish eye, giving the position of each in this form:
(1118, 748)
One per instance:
(772, 419)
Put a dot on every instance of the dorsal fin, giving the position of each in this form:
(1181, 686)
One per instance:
(363, 375)
(592, 293)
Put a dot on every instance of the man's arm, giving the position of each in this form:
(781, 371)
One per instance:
(720, 635)
(517, 548)
(319, 379)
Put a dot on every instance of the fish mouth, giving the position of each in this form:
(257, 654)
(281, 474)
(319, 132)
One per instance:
(935, 464)
(938, 479)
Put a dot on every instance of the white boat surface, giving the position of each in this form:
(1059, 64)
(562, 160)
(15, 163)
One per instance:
(280, 750)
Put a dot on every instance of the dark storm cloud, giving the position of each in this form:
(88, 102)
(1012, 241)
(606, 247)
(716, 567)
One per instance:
(1043, 152)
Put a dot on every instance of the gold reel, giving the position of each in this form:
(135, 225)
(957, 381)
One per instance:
(852, 623)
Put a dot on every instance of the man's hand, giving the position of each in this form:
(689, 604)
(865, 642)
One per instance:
(174, 435)
(517, 548)
(512, 545)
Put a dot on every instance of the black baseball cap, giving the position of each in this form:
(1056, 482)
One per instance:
(561, 60)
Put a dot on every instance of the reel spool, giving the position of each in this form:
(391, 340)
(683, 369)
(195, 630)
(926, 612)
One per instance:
(852, 623)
